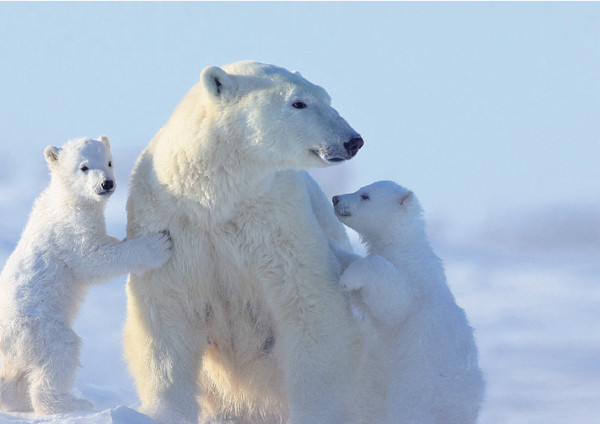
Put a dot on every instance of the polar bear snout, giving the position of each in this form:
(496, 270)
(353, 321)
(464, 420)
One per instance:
(108, 185)
(353, 145)
(341, 209)
(339, 152)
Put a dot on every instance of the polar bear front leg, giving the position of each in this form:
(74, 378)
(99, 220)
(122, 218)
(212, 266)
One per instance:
(110, 257)
(317, 344)
(320, 357)
(162, 355)
(383, 288)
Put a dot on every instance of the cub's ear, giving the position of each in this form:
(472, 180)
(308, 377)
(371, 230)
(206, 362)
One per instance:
(217, 82)
(105, 140)
(51, 155)
(297, 73)
(406, 198)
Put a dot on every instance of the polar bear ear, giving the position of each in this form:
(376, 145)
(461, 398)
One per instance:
(216, 81)
(297, 73)
(51, 154)
(104, 139)
(406, 198)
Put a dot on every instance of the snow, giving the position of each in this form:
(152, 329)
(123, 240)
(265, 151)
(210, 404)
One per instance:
(536, 327)
(118, 415)
(528, 282)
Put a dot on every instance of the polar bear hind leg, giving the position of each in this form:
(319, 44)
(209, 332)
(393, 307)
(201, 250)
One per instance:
(51, 378)
(14, 388)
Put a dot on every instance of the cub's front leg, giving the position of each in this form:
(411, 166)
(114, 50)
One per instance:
(383, 288)
(110, 258)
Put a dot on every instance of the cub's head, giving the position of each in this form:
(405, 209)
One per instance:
(84, 167)
(376, 209)
(276, 117)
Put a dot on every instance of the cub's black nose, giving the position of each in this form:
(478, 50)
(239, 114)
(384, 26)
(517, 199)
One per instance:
(335, 200)
(353, 145)
(108, 185)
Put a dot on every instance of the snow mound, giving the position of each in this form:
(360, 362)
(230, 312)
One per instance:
(119, 415)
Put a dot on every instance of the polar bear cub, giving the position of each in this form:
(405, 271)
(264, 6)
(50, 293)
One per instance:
(62, 251)
(401, 288)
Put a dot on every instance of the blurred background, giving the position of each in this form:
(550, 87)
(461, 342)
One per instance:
(489, 112)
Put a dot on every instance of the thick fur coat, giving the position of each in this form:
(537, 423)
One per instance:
(245, 322)
(425, 341)
(63, 250)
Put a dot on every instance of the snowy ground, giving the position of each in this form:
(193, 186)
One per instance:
(531, 291)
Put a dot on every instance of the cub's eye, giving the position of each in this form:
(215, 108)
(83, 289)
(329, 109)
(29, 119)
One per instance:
(110, 164)
(364, 196)
(299, 105)
(84, 168)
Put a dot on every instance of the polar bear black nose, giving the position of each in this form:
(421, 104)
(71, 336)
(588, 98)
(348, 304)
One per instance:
(108, 185)
(353, 145)
(335, 200)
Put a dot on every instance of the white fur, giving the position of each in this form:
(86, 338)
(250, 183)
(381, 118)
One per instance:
(62, 251)
(429, 349)
(249, 301)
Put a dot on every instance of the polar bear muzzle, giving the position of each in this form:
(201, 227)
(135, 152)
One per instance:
(108, 186)
(334, 153)
(353, 145)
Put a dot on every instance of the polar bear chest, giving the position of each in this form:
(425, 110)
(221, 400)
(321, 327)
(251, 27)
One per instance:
(229, 297)
(235, 265)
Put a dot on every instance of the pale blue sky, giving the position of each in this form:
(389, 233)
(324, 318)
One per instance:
(481, 108)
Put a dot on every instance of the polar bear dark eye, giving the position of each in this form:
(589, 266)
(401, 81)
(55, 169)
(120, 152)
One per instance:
(84, 168)
(110, 164)
(364, 196)
(299, 105)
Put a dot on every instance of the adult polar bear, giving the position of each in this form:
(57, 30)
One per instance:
(245, 321)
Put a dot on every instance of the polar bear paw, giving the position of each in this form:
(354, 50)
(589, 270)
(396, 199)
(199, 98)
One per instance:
(52, 403)
(156, 249)
(356, 275)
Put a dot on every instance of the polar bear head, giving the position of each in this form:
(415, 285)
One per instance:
(380, 209)
(83, 167)
(268, 116)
